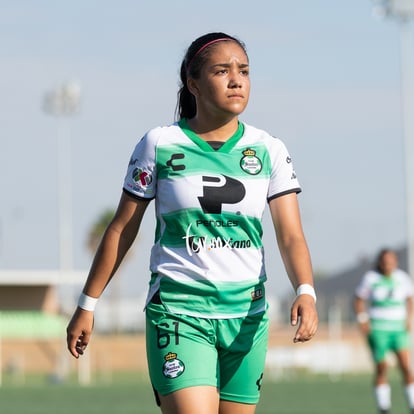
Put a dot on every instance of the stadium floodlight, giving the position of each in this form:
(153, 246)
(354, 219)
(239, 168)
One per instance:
(402, 9)
(403, 12)
(64, 102)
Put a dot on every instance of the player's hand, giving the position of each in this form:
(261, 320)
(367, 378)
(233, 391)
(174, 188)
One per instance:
(303, 312)
(79, 332)
(365, 327)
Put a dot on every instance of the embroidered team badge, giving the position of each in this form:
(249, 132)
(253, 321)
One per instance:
(173, 367)
(250, 163)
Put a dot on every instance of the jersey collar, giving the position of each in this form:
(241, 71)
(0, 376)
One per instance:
(226, 147)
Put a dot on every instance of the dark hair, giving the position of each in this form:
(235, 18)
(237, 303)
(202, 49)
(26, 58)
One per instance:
(380, 255)
(191, 66)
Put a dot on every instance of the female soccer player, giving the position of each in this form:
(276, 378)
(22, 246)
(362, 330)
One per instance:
(388, 292)
(210, 176)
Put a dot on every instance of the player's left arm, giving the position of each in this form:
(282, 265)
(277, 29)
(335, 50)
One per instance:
(296, 258)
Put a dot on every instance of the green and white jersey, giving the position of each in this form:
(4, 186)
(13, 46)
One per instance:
(207, 259)
(387, 298)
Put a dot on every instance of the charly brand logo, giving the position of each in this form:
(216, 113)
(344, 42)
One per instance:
(198, 243)
(173, 367)
(142, 177)
(174, 164)
(259, 382)
(250, 163)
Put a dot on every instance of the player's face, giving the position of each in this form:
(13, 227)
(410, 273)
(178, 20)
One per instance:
(224, 83)
(388, 263)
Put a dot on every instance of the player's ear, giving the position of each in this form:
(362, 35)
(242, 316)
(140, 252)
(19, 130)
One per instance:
(192, 86)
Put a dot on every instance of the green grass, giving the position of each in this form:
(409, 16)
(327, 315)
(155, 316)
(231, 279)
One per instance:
(127, 394)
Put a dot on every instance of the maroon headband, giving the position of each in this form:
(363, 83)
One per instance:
(203, 47)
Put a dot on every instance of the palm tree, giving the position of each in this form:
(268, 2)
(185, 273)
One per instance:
(98, 229)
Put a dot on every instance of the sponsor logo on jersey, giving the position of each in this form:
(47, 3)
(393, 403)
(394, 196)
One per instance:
(289, 161)
(250, 163)
(217, 223)
(257, 294)
(141, 177)
(383, 292)
(219, 190)
(198, 243)
(173, 367)
(133, 161)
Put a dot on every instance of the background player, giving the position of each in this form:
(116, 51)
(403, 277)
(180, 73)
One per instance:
(383, 305)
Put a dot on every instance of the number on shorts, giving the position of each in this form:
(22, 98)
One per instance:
(164, 338)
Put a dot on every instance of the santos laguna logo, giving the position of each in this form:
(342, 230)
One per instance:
(173, 367)
(198, 243)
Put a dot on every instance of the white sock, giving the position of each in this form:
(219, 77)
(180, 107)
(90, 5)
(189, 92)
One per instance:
(383, 396)
(409, 392)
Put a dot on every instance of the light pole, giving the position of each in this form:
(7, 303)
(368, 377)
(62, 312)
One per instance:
(64, 102)
(403, 12)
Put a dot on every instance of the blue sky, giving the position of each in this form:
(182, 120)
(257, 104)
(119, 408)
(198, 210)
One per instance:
(325, 79)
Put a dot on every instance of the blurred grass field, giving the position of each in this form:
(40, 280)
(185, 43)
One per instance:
(127, 394)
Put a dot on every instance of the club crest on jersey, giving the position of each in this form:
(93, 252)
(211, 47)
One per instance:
(141, 177)
(250, 163)
(173, 367)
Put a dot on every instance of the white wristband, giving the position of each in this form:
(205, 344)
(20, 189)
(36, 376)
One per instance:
(87, 302)
(306, 289)
(362, 317)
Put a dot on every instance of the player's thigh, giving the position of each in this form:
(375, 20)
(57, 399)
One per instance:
(403, 358)
(230, 407)
(242, 358)
(401, 341)
(181, 351)
(201, 400)
(379, 343)
(401, 347)
(191, 400)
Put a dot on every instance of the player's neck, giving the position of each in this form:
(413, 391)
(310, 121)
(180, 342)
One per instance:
(213, 130)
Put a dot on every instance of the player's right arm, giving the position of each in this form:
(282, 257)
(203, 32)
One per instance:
(116, 241)
(362, 315)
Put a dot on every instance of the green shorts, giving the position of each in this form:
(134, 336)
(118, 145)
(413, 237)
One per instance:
(381, 342)
(185, 351)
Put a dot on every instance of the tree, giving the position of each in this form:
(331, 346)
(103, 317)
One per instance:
(98, 228)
